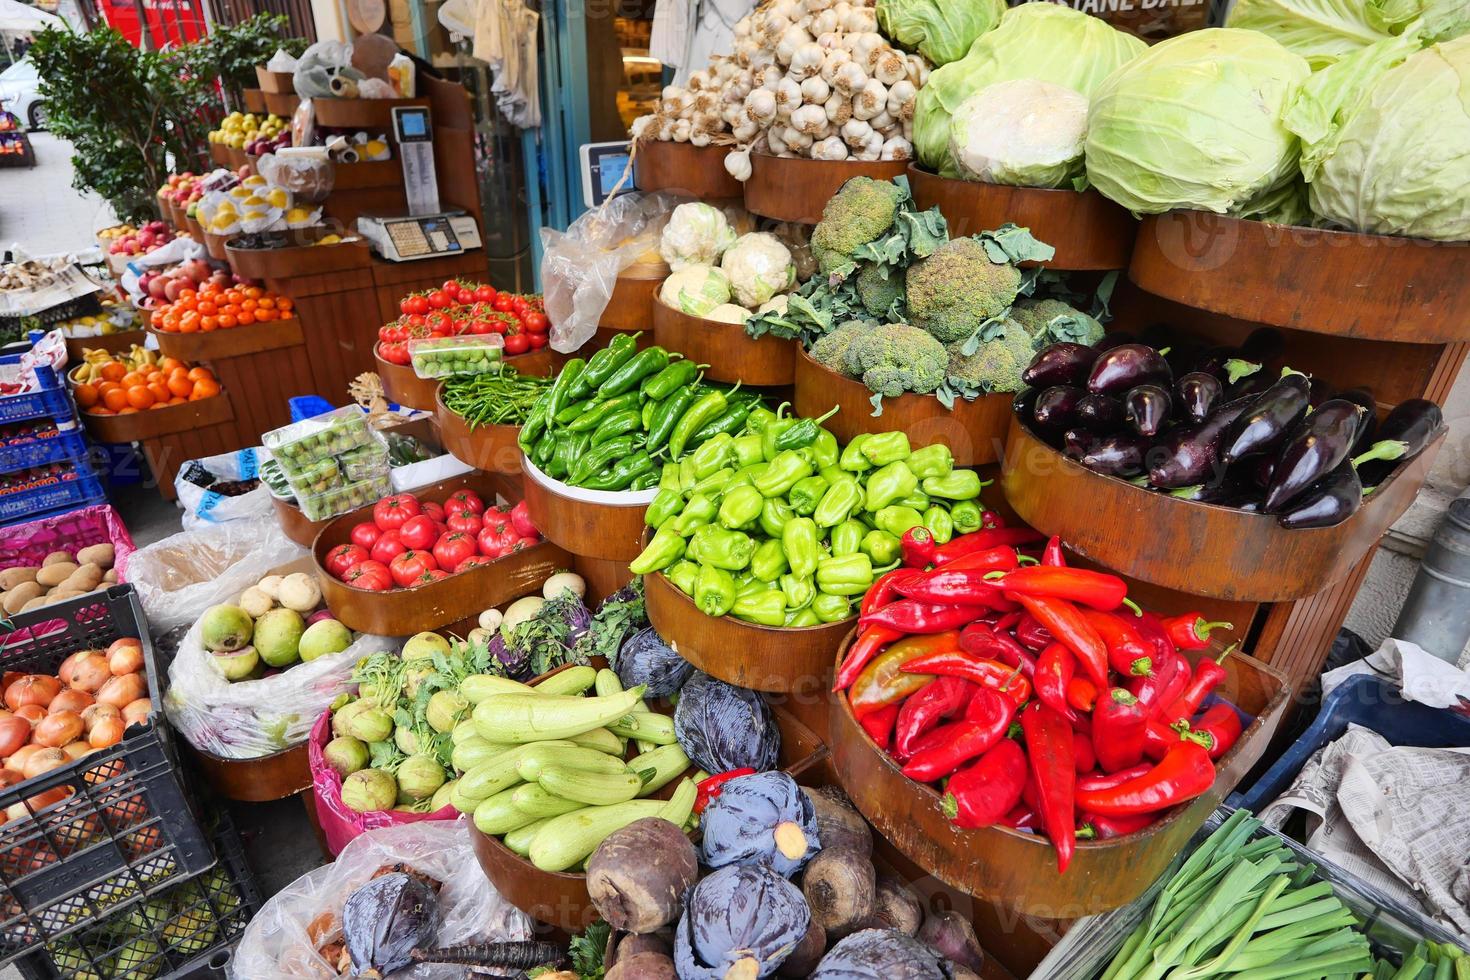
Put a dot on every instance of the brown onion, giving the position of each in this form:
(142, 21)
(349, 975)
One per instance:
(75, 750)
(42, 800)
(17, 760)
(59, 728)
(32, 713)
(70, 700)
(69, 664)
(44, 761)
(32, 689)
(15, 731)
(119, 691)
(124, 660)
(105, 732)
(96, 712)
(90, 672)
(9, 777)
(137, 712)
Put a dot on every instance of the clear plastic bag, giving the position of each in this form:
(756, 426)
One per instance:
(579, 267)
(276, 943)
(203, 506)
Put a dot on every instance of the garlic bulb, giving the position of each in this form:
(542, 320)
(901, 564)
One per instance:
(889, 66)
(901, 96)
(810, 119)
(791, 39)
(850, 78)
(761, 104)
(788, 96)
(870, 100)
(882, 120)
(807, 60)
(816, 90)
(768, 76)
(836, 58)
(872, 147)
(796, 140)
(682, 129)
(700, 137)
(642, 126)
(831, 148)
(897, 148)
(838, 109)
(737, 164)
(855, 132)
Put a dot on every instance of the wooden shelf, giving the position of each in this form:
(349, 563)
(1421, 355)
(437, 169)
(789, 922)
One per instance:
(373, 115)
(684, 168)
(302, 259)
(120, 341)
(370, 173)
(492, 448)
(796, 188)
(234, 342)
(157, 422)
(731, 354)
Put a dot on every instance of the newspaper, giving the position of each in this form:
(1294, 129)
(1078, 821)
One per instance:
(1420, 675)
(52, 289)
(1395, 816)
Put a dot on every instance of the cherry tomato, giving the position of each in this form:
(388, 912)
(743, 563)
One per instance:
(419, 533)
(453, 548)
(537, 340)
(536, 322)
(371, 575)
(414, 320)
(341, 558)
(417, 304)
(451, 286)
(391, 512)
(517, 343)
(479, 327)
(366, 534)
(438, 299)
(411, 565)
(484, 294)
(504, 302)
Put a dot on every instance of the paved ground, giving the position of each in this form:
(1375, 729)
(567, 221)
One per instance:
(41, 211)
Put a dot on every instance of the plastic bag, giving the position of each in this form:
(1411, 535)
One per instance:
(30, 543)
(276, 943)
(579, 267)
(308, 178)
(203, 505)
(322, 64)
(282, 60)
(176, 251)
(184, 574)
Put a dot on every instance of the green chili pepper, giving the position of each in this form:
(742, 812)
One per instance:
(958, 485)
(774, 515)
(967, 517)
(847, 538)
(800, 433)
(758, 419)
(574, 411)
(773, 430)
(570, 372)
(682, 573)
(807, 494)
(886, 447)
(535, 425)
(714, 590)
(667, 415)
(918, 500)
(602, 364)
(687, 479)
(721, 547)
(892, 482)
(698, 511)
(799, 540)
(801, 618)
(831, 608)
(563, 454)
(931, 461)
(594, 417)
(740, 508)
(616, 424)
(544, 448)
(732, 420)
(852, 458)
(705, 407)
(748, 450)
(714, 455)
(786, 469)
(663, 549)
(599, 458)
(841, 499)
(896, 520)
(644, 481)
(824, 449)
(669, 477)
(648, 410)
(798, 590)
(627, 375)
(881, 546)
(674, 376)
(940, 526)
(623, 473)
(769, 561)
(716, 483)
(767, 607)
(846, 576)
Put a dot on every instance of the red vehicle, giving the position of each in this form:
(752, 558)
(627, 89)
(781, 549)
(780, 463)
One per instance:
(171, 22)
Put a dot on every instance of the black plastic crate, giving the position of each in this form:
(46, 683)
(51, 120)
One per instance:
(185, 932)
(125, 829)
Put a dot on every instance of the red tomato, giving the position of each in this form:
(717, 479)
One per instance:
(416, 305)
(498, 325)
(434, 510)
(429, 576)
(521, 544)
(366, 534)
(536, 322)
(451, 286)
(472, 562)
(410, 565)
(481, 327)
(464, 520)
(388, 547)
(517, 343)
(520, 519)
(390, 512)
(372, 576)
(438, 320)
(453, 548)
(341, 558)
(537, 340)
(466, 500)
(496, 518)
(504, 302)
(419, 532)
(484, 294)
(494, 542)
(414, 321)
(439, 299)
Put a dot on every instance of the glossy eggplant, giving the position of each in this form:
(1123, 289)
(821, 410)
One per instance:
(1128, 366)
(1062, 363)
(1227, 493)
(1101, 414)
(1404, 434)
(1268, 419)
(1369, 424)
(1077, 443)
(1315, 448)
(1056, 407)
(1196, 394)
(1120, 454)
(1259, 470)
(1190, 454)
(1147, 408)
(1328, 502)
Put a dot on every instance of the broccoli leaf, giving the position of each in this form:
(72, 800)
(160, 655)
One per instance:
(1081, 183)
(1009, 243)
(1069, 327)
(946, 394)
(1104, 295)
(877, 402)
(924, 230)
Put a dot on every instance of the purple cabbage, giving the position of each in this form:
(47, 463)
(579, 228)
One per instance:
(880, 954)
(763, 818)
(739, 913)
(723, 727)
(646, 659)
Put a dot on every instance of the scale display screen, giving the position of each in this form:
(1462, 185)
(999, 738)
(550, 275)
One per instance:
(412, 124)
(603, 167)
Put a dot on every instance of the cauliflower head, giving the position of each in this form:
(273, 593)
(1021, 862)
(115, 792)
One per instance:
(697, 234)
(862, 210)
(696, 289)
(956, 289)
(997, 365)
(893, 358)
(759, 266)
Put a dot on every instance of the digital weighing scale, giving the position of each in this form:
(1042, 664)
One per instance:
(603, 167)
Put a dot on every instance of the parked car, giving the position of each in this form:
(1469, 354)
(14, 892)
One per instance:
(20, 93)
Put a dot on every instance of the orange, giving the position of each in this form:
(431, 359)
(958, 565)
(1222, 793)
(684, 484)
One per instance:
(284, 303)
(204, 389)
(170, 364)
(107, 386)
(188, 325)
(246, 318)
(162, 404)
(248, 305)
(233, 296)
(227, 320)
(180, 386)
(288, 314)
(208, 323)
(254, 292)
(140, 397)
(87, 395)
(207, 308)
(176, 400)
(266, 316)
(116, 399)
(200, 374)
(132, 379)
(178, 372)
(154, 376)
(113, 371)
(127, 410)
(99, 410)
(265, 303)
(159, 391)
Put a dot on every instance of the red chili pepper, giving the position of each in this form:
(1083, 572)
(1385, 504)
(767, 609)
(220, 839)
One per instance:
(913, 616)
(1008, 621)
(916, 548)
(1184, 773)
(965, 586)
(1151, 628)
(883, 683)
(1051, 555)
(869, 644)
(1096, 589)
(963, 741)
(1107, 780)
(926, 708)
(1108, 828)
(991, 674)
(1159, 738)
(1191, 631)
(1150, 690)
(1221, 726)
(989, 520)
(1118, 728)
(1128, 653)
(993, 643)
(1032, 635)
(1021, 817)
(981, 794)
(989, 537)
(1083, 758)
(1081, 694)
(710, 788)
(1208, 675)
(879, 724)
(1001, 559)
(1053, 673)
(1066, 623)
(1049, 747)
(883, 591)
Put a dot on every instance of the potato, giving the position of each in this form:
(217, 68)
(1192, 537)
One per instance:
(111, 577)
(61, 595)
(84, 579)
(16, 598)
(39, 600)
(12, 577)
(97, 554)
(55, 573)
(56, 557)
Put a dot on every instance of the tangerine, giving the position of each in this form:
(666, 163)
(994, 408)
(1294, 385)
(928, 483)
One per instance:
(86, 395)
(139, 397)
(116, 400)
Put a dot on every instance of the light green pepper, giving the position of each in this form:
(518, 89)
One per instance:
(716, 483)
(664, 548)
(769, 561)
(886, 447)
(798, 590)
(896, 520)
(967, 517)
(683, 575)
(881, 546)
(741, 508)
(669, 477)
(847, 576)
(892, 482)
(799, 541)
(852, 458)
(959, 485)
(748, 450)
(831, 608)
(847, 537)
(842, 498)
(824, 449)
(784, 472)
(687, 477)
(723, 548)
(714, 455)
(918, 500)
(714, 590)
(698, 510)
(768, 608)
(931, 461)
(774, 515)
(939, 523)
(798, 618)
(665, 506)
(806, 495)
(750, 586)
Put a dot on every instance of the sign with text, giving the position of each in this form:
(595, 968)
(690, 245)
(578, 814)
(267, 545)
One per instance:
(1152, 20)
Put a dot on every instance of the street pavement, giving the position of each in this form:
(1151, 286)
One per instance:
(41, 211)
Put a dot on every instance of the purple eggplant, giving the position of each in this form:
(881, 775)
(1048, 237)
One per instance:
(1198, 393)
(1115, 338)
(1227, 493)
(1259, 471)
(1319, 391)
(1403, 435)
(1268, 420)
(1264, 344)
(1061, 363)
(1077, 443)
(1328, 502)
(1101, 414)
(1147, 408)
(1315, 448)
(1120, 454)
(1056, 407)
(1369, 424)
(1128, 366)
(1190, 454)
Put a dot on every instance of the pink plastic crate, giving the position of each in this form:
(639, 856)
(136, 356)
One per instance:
(30, 543)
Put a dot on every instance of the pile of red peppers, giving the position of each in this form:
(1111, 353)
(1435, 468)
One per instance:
(1036, 695)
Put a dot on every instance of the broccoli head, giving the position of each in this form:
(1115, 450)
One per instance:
(1048, 320)
(956, 289)
(831, 350)
(893, 358)
(997, 365)
(859, 212)
(879, 292)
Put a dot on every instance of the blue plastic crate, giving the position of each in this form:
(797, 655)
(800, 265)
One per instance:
(1369, 701)
(67, 444)
(50, 399)
(25, 505)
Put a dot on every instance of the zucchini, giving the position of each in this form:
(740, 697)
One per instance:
(680, 806)
(489, 778)
(645, 727)
(519, 840)
(566, 840)
(573, 680)
(478, 687)
(608, 682)
(538, 717)
(668, 762)
(540, 756)
(463, 730)
(536, 801)
(475, 750)
(497, 815)
(592, 788)
(459, 801)
(600, 739)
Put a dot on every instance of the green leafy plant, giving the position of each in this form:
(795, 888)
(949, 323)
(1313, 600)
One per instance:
(231, 52)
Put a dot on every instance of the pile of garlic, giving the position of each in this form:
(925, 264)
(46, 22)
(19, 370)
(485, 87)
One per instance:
(808, 78)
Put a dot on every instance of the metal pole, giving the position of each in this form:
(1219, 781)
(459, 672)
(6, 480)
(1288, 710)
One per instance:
(1436, 614)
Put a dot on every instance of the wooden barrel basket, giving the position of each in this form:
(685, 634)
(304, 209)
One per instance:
(492, 448)
(684, 168)
(630, 307)
(797, 188)
(731, 354)
(597, 525)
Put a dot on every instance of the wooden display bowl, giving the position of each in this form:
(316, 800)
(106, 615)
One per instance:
(731, 354)
(630, 307)
(401, 385)
(254, 99)
(220, 154)
(157, 422)
(374, 115)
(275, 82)
(594, 530)
(1370, 287)
(684, 168)
(234, 342)
(973, 430)
(1018, 870)
(367, 174)
(1087, 230)
(215, 246)
(296, 525)
(122, 340)
(195, 229)
(1226, 553)
(492, 448)
(405, 611)
(297, 260)
(282, 104)
(796, 188)
(784, 660)
(270, 777)
(237, 157)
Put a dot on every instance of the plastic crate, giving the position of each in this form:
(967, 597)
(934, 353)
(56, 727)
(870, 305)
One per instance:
(30, 543)
(126, 830)
(1369, 701)
(63, 495)
(185, 932)
(49, 399)
(65, 445)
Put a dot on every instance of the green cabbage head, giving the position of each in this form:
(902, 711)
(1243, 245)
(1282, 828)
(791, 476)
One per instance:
(1325, 31)
(1195, 123)
(940, 30)
(1035, 40)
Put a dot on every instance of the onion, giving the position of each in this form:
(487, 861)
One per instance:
(32, 713)
(137, 712)
(40, 801)
(44, 761)
(70, 700)
(125, 660)
(59, 728)
(67, 665)
(9, 678)
(94, 713)
(18, 759)
(90, 672)
(9, 777)
(32, 689)
(105, 732)
(75, 750)
(14, 732)
(119, 691)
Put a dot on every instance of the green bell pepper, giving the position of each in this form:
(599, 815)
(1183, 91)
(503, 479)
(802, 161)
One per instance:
(741, 508)
(721, 547)
(881, 546)
(773, 430)
(896, 520)
(806, 494)
(664, 548)
(967, 517)
(800, 618)
(846, 576)
(683, 573)
(664, 507)
(931, 461)
(774, 515)
(698, 511)
(843, 498)
(742, 478)
(847, 537)
(852, 458)
(714, 485)
(768, 608)
(939, 523)
(892, 482)
(706, 407)
(886, 447)
(799, 540)
(714, 455)
(758, 419)
(918, 500)
(669, 477)
(785, 470)
(834, 473)
(750, 586)
(769, 562)
(958, 485)
(748, 450)
(714, 590)
(824, 449)
(831, 608)
(799, 590)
